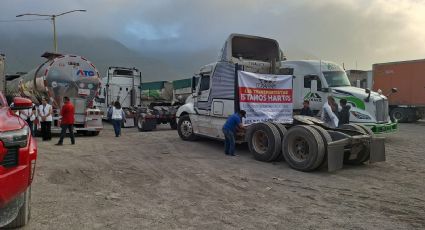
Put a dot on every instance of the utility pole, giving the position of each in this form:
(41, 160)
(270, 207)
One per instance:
(53, 18)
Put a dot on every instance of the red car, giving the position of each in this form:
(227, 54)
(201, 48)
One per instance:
(18, 153)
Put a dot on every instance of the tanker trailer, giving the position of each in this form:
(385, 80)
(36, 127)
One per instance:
(63, 75)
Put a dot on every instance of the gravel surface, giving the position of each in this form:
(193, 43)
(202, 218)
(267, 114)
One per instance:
(155, 180)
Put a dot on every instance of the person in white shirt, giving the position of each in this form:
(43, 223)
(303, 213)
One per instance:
(45, 118)
(328, 116)
(29, 116)
(116, 114)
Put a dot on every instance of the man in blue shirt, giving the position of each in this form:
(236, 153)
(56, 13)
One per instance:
(229, 129)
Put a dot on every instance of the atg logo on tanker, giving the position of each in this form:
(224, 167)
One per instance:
(85, 73)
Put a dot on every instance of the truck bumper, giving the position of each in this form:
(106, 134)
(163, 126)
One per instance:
(390, 127)
(335, 150)
(13, 183)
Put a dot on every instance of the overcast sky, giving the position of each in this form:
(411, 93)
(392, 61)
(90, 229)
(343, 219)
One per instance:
(344, 31)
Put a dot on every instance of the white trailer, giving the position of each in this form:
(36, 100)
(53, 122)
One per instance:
(121, 84)
(305, 143)
(315, 80)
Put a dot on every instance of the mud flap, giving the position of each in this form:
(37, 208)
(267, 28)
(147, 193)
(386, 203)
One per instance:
(336, 155)
(377, 149)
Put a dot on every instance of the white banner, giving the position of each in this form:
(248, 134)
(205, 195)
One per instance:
(265, 97)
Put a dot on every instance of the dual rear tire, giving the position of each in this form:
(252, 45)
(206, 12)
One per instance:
(358, 153)
(303, 147)
(264, 141)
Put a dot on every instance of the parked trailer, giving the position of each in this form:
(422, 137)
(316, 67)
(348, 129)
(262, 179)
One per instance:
(158, 107)
(121, 84)
(63, 75)
(182, 89)
(404, 83)
(305, 143)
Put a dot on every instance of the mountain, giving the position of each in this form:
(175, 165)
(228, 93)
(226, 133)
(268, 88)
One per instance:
(155, 60)
(23, 54)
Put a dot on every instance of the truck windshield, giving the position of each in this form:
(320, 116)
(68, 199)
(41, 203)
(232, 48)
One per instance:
(336, 78)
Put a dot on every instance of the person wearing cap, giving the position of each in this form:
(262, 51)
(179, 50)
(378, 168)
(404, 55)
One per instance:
(233, 123)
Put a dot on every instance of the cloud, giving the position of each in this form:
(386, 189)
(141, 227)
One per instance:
(349, 31)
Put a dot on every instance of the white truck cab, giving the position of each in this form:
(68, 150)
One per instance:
(214, 97)
(305, 143)
(121, 84)
(315, 80)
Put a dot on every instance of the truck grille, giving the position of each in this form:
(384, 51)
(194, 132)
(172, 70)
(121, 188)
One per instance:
(11, 158)
(382, 110)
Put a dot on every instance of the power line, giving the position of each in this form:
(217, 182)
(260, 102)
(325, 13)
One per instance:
(24, 20)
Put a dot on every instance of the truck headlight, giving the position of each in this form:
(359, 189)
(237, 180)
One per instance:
(15, 137)
(360, 115)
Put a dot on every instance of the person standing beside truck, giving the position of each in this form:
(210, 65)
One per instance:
(306, 111)
(67, 122)
(233, 123)
(45, 117)
(29, 116)
(344, 114)
(328, 116)
(117, 116)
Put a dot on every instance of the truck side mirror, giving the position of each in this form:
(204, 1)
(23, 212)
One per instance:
(313, 86)
(368, 96)
(193, 84)
(394, 90)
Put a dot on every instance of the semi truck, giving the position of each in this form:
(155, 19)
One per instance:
(157, 106)
(306, 143)
(18, 155)
(315, 80)
(121, 84)
(404, 84)
(62, 75)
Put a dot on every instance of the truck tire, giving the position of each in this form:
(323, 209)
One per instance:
(24, 214)
(141, 125)
(264, 141)
(326, 140)
(303, 148)
(362, 151)
(173, 124)
(282, 130)
(94, 133)
(185, 129)
(366, 130)
(399, 115)
(82, 132)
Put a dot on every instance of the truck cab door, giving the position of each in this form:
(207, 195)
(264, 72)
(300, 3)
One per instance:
(203, 125)
(313, 92)
(201, 101)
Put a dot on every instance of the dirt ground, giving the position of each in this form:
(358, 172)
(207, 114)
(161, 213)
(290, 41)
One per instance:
(155, 180)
